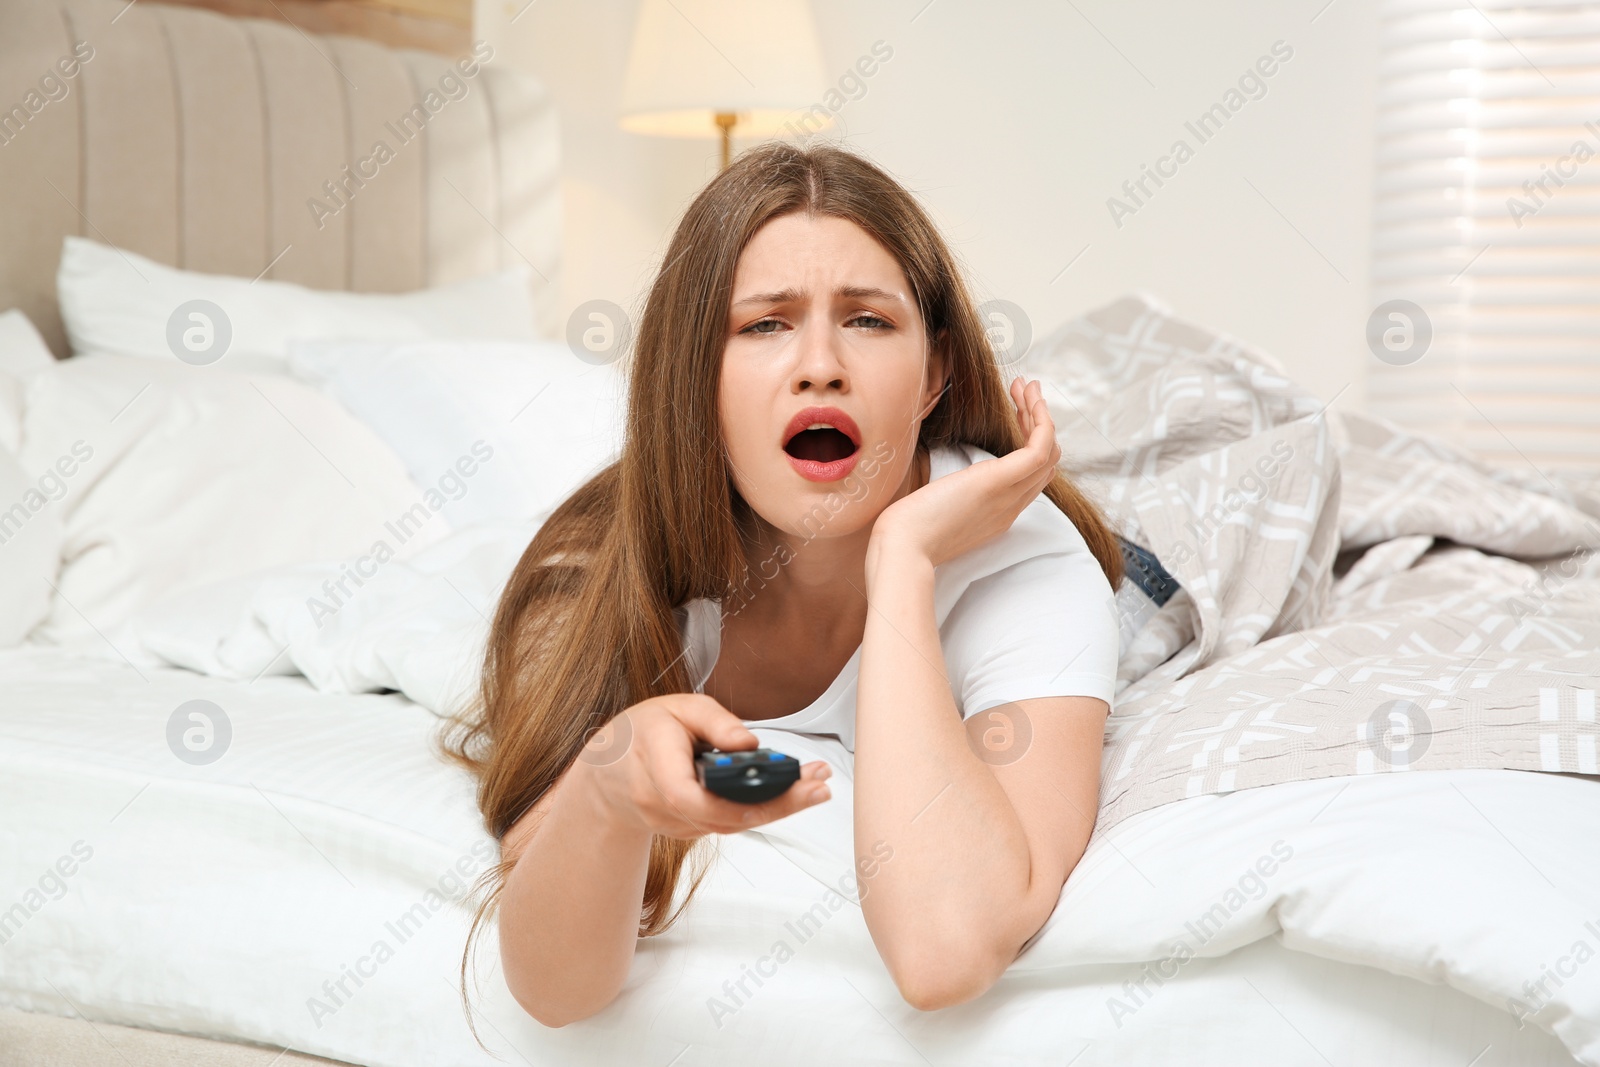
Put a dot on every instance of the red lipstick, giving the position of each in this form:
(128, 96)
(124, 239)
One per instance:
(822, 443)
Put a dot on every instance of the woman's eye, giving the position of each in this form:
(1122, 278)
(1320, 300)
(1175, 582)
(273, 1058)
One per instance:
(871, 322)
(764, 326)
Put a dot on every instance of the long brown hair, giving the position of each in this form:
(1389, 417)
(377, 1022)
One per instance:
(585, 626)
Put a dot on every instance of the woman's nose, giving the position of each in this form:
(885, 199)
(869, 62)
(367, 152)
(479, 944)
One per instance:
(821, 359)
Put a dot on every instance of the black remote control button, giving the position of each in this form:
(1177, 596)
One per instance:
(748, 777)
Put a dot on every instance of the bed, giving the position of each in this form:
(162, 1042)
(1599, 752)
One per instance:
(218, 903)
(1272, 881)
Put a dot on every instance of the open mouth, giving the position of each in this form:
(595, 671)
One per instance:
(822, 443)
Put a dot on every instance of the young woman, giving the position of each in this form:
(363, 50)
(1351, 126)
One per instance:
(826, 518)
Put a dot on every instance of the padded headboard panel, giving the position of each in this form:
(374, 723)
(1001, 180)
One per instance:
(206, 142)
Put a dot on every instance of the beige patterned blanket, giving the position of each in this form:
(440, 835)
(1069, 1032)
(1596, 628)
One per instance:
(1349, 602)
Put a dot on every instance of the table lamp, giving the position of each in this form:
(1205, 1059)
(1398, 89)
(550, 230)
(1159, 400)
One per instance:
(700, 68)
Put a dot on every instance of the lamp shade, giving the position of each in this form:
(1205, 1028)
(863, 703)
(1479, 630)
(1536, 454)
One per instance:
(691, 59)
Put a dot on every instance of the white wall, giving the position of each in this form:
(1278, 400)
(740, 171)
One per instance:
(1015, 122)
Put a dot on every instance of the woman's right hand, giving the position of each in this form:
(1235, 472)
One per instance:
(640, 765)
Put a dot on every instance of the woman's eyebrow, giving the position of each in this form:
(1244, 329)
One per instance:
(786, 296)
(867, 292)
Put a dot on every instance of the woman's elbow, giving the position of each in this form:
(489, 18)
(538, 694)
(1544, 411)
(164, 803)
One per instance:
(555, 1010)
(931, 996)
(932, 981)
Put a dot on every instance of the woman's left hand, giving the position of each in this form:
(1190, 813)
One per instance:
(962, 510)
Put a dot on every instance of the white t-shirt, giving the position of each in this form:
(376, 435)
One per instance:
(1029, 614)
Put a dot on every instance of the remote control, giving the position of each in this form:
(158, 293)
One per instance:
(748, 777)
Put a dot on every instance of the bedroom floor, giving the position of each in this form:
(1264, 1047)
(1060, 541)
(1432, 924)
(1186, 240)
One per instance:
(31, 1040)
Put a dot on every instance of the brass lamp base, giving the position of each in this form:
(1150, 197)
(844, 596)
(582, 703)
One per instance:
(726, 120)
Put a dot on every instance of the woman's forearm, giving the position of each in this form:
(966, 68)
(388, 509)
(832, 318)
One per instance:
(937, 912)
(569, 912)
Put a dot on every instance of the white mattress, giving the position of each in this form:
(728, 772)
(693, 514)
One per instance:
(218, 900)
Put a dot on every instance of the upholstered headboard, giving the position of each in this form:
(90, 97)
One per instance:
(243, 146)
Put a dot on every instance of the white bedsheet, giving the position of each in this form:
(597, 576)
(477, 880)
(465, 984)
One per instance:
(220, 898)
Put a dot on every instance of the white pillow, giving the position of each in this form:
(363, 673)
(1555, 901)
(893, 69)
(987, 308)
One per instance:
(550, 419)
(11, 401)
(22, 353)
(184, 475)
(113, 301)
(22, 350)
(30, 545)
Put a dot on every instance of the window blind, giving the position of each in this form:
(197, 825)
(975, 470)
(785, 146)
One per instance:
(1487, 217)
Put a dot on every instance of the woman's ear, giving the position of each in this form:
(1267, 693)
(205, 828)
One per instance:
(938, 375)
